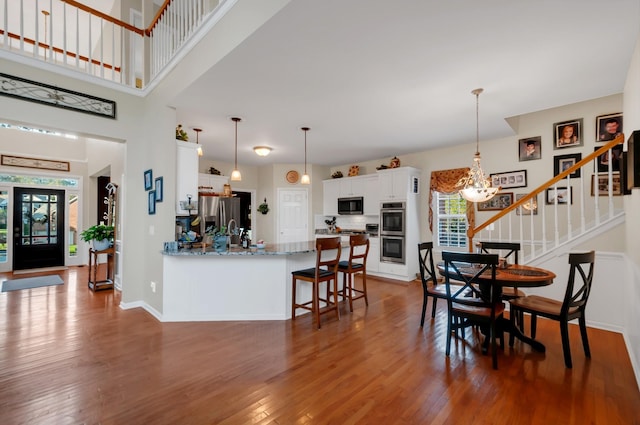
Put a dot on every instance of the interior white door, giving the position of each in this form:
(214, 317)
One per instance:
(293, 215)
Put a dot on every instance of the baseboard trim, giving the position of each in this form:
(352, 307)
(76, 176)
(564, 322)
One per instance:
(40, 270)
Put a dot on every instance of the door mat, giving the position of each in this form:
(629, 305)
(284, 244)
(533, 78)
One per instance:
(31, 282)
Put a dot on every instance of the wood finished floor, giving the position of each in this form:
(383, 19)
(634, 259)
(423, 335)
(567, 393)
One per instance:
(71, 356)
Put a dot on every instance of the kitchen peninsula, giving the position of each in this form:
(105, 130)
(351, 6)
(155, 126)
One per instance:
(201, 284)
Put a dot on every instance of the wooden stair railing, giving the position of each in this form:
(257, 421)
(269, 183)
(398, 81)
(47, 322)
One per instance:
(471, 232)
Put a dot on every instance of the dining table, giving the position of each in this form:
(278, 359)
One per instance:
(511, 275)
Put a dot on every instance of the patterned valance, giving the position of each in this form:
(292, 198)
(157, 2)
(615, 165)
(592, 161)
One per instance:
(445, 181)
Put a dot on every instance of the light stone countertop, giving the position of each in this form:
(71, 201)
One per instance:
(269, 249)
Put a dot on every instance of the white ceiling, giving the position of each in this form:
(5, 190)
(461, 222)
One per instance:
(378, 78)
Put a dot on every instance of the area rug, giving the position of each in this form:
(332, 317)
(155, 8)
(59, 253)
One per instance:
(31, 282)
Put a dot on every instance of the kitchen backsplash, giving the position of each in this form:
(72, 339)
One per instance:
(356, 222)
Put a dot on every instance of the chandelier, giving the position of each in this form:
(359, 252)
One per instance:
(475, 187)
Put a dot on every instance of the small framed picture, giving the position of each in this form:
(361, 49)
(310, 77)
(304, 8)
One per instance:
(528, 208)
(602, 184)
(148, 180)
(612, 156)
(499, 202)
(561, 195)
(509, 179)
(530, 148)
(567, 134)
(151, 204)
(159, 189)
(564, 162)
(608, 127)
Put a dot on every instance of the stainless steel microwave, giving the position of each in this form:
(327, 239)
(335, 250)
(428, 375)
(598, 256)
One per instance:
(350, 206)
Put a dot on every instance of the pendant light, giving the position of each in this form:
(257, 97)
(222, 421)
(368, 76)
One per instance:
(235, 174)
(305, 177)
(198, 130)
(475, 186)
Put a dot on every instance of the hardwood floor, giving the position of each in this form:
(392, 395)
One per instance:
(71, 356)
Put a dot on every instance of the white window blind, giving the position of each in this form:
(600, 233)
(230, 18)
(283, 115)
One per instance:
(452, 220)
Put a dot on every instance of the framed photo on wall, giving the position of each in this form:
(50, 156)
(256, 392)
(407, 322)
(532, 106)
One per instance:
(567, 134)
(603, 184)
(499, 202)
(528, 208)
(562, 195)
(608, 127)
(612, 156)
(151, 204)
(148, 180)
(159, 189)
(564, 162)
(530, 148)
(509, 179)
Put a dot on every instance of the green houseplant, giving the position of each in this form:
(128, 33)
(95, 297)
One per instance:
(100, 235)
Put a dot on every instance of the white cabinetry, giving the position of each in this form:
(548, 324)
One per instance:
(211, 182)
(347, 187)
(186, 174)
(371, 202)
(351, 186)
(373, 258)
(330, 195)
(397, 183)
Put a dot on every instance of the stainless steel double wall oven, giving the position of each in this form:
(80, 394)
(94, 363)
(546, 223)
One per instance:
(392, 232)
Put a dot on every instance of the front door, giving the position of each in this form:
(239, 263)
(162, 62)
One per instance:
(38, 228)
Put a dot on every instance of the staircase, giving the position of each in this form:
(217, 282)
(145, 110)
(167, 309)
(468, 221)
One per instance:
(563, 210)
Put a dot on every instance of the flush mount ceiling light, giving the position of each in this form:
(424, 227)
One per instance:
(235, 174)
(305, 177)
(262, 150)
(475, 186)
(198, 130)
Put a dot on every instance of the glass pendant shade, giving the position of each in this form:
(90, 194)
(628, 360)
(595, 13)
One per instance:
(305, 179)
(235, 174)
(198, 130)
(475, 187)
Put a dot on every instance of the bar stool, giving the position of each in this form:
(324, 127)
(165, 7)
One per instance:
(358, 251)
(326, 270)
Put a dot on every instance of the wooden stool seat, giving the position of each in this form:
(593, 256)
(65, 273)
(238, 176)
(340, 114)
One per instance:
(357, 263)
(328, 252)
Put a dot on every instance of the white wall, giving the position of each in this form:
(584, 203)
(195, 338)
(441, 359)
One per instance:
(632, 206)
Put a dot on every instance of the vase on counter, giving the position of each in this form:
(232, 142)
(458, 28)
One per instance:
(220, 243)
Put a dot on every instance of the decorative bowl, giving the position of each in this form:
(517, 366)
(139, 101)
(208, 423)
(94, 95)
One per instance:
(260, 245)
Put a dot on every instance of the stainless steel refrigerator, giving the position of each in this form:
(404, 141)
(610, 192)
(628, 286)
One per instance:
(219, 211)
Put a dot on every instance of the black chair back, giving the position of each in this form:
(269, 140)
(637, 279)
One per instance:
(577, 293)
(512, 249)
(473, 271)
(425, 260)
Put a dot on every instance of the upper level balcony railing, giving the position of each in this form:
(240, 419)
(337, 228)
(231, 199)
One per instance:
(564, 208)
(69, 34)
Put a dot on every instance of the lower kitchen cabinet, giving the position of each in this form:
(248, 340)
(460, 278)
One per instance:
(373, 259)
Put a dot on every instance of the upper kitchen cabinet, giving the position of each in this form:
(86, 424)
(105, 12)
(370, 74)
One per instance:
(349, 187)
(397, 183)
(371, 201)
(211, 182)
(186, 175)
(330, 195)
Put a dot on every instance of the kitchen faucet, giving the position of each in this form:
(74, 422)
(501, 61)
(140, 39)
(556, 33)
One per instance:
(235, 227)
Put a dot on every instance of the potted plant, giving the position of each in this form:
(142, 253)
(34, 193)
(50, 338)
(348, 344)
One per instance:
(100, 235)
(263, 207)
(219, 237)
